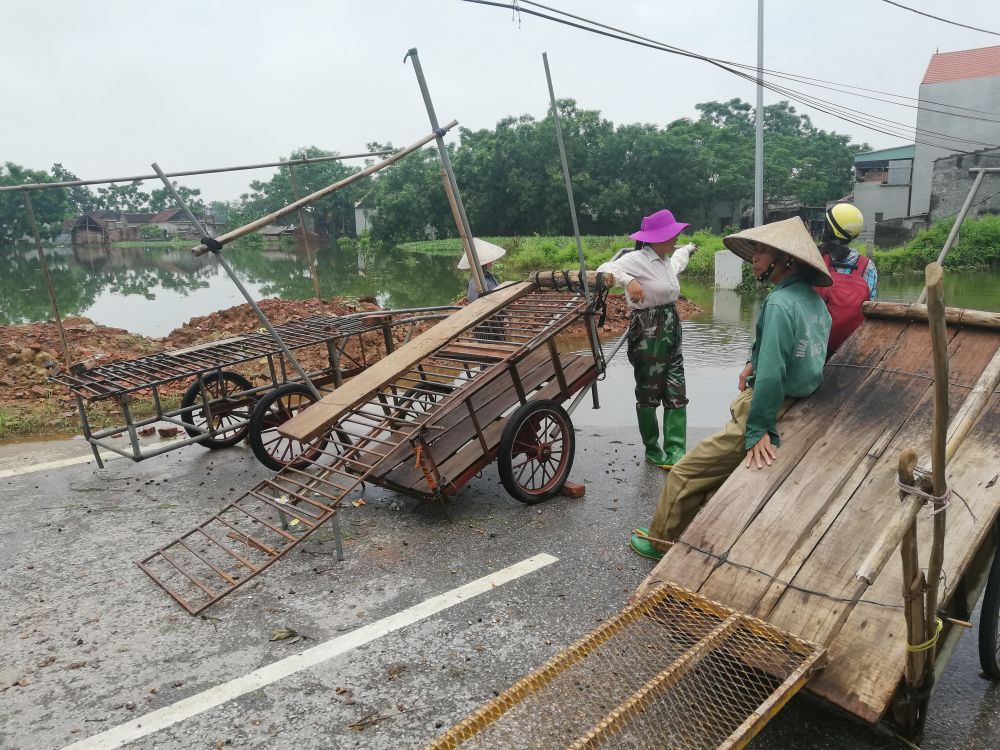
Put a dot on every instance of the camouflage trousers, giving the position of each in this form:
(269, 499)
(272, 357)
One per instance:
(654, 349)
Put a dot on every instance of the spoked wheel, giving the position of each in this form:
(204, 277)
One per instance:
(230, 413)
(536, 451)
(989, 623)
(271, 448)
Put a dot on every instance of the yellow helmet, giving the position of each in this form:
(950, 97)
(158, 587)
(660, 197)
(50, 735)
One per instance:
(845, 221)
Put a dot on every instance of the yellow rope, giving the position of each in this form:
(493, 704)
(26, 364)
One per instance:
(928, 644)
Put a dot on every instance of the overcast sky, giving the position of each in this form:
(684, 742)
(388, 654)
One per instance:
(107, 86)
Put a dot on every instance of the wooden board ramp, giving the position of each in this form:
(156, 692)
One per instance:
(476, 365)
(784, 544)
(675, 670)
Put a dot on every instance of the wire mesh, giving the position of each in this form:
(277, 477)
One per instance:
(673, 671)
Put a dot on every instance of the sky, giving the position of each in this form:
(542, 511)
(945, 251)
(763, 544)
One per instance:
(106, 87)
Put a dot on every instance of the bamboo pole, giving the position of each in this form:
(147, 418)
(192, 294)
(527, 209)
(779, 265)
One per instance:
(934, 275)
(253, 226)
(466, 239)
(190, 172)
(915, 312)
(973, 405)
(953, 234)
(313, 273)
(239, 285)
(913, 586)
(477, 268)
(67, 360)
(553, 279)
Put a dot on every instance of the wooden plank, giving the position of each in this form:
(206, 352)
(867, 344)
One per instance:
(867, 660)
(315, 420)
(720, 524)
(831, 566)
(956, 316)
(800, 511)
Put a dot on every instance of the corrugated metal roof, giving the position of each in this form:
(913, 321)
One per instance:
(967, 63)
(885, 154)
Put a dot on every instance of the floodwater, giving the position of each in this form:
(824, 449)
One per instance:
(155, 290)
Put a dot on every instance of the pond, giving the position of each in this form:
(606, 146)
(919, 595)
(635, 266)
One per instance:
(152, 291)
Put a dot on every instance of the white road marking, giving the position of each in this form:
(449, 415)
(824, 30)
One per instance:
(216, 696)
(82, 459)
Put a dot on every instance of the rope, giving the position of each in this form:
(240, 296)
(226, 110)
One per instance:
(212, 244)
(930, 642)
(940, 502)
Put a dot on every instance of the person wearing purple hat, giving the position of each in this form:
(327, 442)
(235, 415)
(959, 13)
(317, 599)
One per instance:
(648, 273)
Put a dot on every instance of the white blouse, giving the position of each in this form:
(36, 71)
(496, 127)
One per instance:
(658, 277)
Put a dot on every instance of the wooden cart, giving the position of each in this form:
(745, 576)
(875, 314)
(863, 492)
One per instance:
(485, 384)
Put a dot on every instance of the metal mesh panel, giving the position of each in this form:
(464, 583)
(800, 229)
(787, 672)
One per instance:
(674, 671)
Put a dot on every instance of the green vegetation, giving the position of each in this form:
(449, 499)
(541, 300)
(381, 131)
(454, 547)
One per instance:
(978, 246)
(526, 254)
(52, 417)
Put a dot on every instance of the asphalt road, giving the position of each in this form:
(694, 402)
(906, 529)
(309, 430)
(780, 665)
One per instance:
(89, 643)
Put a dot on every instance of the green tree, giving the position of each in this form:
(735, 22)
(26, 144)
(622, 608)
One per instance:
(116, 197)
(49, 206)
(161, 199)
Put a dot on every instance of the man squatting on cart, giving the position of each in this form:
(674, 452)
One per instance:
(648, 274)
(786, 363)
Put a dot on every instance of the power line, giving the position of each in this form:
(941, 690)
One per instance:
(843, 113)
(792, 76)
(938, 18)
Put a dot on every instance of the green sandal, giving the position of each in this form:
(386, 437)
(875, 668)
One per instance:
(642, 546)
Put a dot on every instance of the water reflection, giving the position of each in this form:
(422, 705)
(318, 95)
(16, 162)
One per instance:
(154, 290)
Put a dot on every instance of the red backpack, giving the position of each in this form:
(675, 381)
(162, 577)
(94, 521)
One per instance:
(844, 299)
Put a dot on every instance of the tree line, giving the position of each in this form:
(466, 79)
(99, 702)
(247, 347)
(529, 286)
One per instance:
(511, 179)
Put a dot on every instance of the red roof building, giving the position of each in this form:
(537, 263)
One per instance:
(966, 63)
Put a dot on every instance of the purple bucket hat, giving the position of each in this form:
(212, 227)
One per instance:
(659, 227)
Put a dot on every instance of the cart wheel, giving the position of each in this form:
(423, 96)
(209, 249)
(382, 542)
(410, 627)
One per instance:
(536, 451)
(419, 400)
(272, 449)
(230, 417)
(989, 623)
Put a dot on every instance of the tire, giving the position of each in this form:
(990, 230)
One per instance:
(419, 399)
(273, 450)
(231, 417)
(989, 623)
(538, 437)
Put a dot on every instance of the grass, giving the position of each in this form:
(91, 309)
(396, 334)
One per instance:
(978, 247)
(535, 253)
(55, 418)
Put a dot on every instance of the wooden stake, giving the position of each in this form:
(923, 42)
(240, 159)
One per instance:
(913, 584)
(934, 275)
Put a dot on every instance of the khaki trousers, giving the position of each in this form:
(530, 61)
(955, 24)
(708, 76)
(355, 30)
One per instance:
(702, 471)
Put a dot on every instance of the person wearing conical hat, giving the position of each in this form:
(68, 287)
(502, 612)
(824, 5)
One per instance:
(786, 363)
(488, 254)
(649, 276)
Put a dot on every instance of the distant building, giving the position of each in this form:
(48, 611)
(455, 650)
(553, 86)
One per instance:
(955, 84)
(952, 181)
(884, 180)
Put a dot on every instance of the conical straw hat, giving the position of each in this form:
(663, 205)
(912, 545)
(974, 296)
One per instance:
(788, 236)
(487, 252)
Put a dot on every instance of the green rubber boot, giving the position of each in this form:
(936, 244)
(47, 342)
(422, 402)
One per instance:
(649, 429)
(642, 546)
(674, 435)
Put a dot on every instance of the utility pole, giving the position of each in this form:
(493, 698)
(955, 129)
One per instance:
(758, 167)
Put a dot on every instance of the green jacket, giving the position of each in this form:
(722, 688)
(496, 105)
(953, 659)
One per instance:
(788, 354)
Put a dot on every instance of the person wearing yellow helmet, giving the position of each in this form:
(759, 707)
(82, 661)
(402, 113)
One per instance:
(855, 278)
